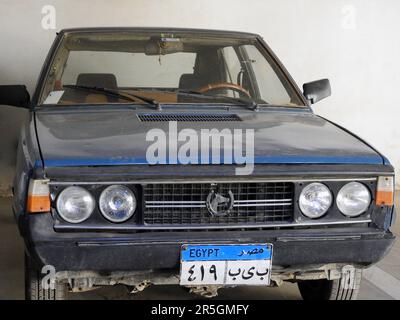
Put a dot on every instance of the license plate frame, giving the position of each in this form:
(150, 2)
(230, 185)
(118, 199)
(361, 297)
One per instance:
(226, 264)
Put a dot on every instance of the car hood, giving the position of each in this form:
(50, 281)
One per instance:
(118, 137)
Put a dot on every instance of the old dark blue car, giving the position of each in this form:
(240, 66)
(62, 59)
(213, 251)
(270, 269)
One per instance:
(178, 156)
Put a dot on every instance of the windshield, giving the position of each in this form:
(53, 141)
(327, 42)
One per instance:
(177, 68)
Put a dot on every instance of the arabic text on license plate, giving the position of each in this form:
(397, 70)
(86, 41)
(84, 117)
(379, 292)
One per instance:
(226, 264)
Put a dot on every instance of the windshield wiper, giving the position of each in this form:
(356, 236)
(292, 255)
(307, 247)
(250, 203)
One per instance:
(249, 103)
(116, 94)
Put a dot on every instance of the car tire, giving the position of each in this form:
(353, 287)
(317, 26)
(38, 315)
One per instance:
(33, 285)
(331, 289)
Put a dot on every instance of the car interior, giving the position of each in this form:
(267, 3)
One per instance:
(208, 70)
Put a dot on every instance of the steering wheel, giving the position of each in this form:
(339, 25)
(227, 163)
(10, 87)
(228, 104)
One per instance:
(224, 85)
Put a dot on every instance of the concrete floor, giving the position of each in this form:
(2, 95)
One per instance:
(381, 282)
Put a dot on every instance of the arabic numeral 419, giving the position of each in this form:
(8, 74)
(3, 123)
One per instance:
(210, 269)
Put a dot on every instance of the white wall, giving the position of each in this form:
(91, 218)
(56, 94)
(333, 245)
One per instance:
(355, 43)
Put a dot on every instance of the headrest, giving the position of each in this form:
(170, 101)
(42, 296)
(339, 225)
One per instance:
(187, 81)
(101, 80)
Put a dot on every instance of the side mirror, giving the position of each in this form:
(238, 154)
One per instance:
(16, 96)
(317, 90)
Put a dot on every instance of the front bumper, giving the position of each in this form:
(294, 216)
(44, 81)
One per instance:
(108, 252)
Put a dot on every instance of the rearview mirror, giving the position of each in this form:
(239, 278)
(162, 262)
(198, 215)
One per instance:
(16, 96)
(163, 46)
(317, 90)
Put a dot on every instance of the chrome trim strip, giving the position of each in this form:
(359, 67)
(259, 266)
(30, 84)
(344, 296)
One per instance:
(310, 224)
(173, 202)
(283, 204)
(211, 227)
(265, 200)
(236, 201)
(207, 180)
(234, 206)
(177, 206)
(202, 204)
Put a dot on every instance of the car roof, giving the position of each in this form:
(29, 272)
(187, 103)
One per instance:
(161, 30)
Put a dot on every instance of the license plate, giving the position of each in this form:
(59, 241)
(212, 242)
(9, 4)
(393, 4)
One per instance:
(226, 264)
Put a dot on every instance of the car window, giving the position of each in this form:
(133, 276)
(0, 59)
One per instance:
(269, 85)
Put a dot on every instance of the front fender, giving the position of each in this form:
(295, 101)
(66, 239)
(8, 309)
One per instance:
(28, 160)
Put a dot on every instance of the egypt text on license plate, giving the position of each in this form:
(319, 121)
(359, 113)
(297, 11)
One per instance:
(226, 264)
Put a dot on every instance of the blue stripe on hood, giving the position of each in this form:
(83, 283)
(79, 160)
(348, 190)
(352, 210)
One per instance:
(258, 160)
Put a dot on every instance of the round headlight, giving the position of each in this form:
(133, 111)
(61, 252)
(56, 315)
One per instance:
(75, 204)
(315, 200)
(353, 199)
(117, 203)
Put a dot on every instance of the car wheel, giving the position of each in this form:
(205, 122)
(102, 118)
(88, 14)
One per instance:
(33, 285)
(332, 289)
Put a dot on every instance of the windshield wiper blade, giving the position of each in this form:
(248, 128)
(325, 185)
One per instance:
(249, 103)
(116, 94)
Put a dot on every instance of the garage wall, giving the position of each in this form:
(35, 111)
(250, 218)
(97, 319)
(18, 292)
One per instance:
(355, 43)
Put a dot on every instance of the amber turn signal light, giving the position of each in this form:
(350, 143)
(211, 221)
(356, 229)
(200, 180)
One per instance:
(38, 196)
(385, 191)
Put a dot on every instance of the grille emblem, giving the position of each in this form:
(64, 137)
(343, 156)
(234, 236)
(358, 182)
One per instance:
(219, 205)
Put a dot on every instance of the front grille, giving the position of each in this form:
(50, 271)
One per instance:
(188, 117)
(186, 204)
